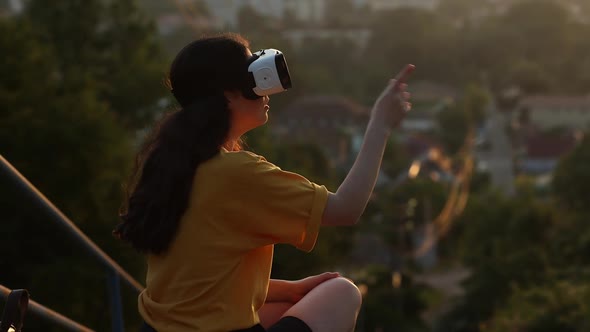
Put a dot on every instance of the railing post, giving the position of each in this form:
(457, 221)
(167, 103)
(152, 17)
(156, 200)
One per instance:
(114, 284)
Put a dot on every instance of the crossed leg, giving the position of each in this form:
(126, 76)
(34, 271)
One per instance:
(331, 306)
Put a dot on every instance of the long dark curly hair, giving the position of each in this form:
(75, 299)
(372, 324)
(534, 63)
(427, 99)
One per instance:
(160, 184)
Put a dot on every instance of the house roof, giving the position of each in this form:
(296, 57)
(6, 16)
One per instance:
(541, 101)
(549, 146)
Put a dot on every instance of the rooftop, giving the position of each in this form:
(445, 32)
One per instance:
(541, 101)
(549, 146)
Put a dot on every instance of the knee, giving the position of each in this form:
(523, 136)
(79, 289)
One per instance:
(346, 291)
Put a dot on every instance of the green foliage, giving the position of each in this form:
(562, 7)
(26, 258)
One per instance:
(430, 46)
(453, 124)
(455, 119)
(570, 173)
(110, 48)
(475, 101)
(388, 307)
(76, 78)
(558, 306)
(527, 261)
(252, 22)
(342, 14)
(395, 159)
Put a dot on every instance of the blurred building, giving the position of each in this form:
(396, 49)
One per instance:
(358, 37)
(170, 23)
(226, 12)
(337, 122)
(394, 4)
(545, 112)
(540, 153)
(11, 7)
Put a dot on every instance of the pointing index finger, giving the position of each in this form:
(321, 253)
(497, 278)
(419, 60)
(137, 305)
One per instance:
(403, 75)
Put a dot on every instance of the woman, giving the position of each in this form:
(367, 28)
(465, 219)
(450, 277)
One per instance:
(207, 213)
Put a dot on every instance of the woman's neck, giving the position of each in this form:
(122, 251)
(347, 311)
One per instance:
(234, 144)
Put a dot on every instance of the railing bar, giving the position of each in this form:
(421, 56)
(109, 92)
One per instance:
(49, 314)
(116, 305)
(65, 222)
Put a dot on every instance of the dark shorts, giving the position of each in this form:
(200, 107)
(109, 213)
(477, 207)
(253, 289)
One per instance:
(286, 324)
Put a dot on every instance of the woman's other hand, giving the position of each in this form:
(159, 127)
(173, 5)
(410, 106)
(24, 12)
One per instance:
(299, 288)
(393, 103)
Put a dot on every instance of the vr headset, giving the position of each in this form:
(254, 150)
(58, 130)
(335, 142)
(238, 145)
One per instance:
(267, 74)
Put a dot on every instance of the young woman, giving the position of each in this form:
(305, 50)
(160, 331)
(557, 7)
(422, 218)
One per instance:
(207, 213)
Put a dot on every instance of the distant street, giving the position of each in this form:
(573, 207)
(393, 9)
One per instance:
(499, 158)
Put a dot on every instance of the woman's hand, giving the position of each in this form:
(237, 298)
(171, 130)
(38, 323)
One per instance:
(393, 103)
(299, 288)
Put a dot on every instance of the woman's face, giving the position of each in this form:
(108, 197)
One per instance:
(246, 114)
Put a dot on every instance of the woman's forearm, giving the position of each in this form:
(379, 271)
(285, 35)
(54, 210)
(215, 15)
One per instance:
(346, 206)
(279, 291)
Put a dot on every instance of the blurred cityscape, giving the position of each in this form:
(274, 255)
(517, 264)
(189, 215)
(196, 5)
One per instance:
(479, 219)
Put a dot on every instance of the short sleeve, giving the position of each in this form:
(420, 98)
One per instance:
(276, 206)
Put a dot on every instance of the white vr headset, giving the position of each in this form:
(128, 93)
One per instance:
(267, 74)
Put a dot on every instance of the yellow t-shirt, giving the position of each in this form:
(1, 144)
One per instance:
(215, 275)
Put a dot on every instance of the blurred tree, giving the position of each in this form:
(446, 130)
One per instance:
(512, 238)
(475, 101)
(458, 10)
(405, 208)
(290, 19)
(530, 77)
(74, 150)
(578, 63)
(309, 160)
(568, 176)
(453, 125)
(395, 159)
(342, 14)
(252, 22)
(260, 142)
(326, 66)
(556, 306)
(158, 7)
(111, 48)
(411, 35)
(391, 305)
(455, 119)
(532, 34)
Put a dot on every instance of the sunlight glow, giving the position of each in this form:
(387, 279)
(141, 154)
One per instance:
(414, 169)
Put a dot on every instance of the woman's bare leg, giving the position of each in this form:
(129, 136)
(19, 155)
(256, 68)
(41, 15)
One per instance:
(331, 306)
(271, 312)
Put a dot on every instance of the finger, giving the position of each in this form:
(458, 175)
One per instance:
(397, 87)
(404, 74)
(407, 106)
(406, 95)
(325, 276)
(330, 275)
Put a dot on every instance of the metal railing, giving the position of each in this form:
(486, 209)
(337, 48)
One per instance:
(49, 314)
(115, 271)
